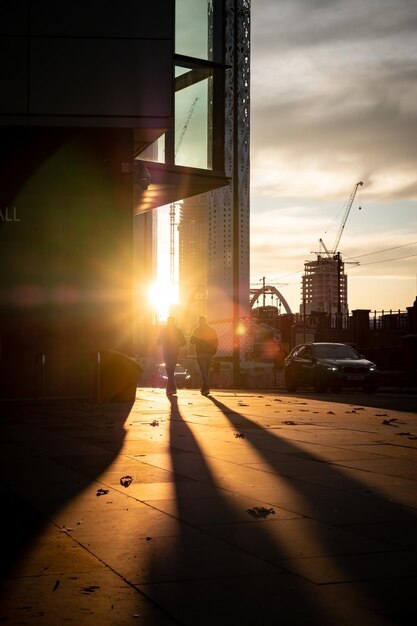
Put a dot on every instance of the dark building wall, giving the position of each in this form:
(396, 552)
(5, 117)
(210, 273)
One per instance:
(80, 82)
(65, 254)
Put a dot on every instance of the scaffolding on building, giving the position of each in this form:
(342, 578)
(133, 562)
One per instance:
(324, 286)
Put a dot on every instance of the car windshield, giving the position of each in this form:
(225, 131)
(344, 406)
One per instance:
(335, 351)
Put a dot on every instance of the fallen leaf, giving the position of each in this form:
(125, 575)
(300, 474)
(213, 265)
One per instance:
(260, 512)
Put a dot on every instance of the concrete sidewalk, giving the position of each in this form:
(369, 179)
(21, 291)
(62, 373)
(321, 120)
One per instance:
(243, 508)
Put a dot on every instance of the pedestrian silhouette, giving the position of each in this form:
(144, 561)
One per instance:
(205, 340)
(171, 339)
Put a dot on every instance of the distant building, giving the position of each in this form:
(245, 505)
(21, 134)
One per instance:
(193, 236)
(324, 286)
(214, 246)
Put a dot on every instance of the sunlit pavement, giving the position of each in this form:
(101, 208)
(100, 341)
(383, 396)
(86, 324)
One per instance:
(244, 508)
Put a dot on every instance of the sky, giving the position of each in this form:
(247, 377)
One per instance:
(334, 102)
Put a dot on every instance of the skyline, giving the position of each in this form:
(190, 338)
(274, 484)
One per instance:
(333, 95)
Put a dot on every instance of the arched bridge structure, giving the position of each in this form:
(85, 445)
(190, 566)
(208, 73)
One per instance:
(269, 289)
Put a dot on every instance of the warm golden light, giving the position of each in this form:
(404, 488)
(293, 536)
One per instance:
(162, 296)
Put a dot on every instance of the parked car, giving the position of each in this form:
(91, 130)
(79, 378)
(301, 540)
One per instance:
(159, 377)
(333, 365)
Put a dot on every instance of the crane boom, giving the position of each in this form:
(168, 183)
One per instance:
(324, 247)
(184, 128)
(172, 205)
(346, 215)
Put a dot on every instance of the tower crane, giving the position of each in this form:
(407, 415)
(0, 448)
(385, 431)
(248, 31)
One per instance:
(333, 251)
(346, 215)
(172, 205)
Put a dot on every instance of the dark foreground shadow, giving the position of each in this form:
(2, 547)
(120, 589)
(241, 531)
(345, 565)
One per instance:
(48, 455)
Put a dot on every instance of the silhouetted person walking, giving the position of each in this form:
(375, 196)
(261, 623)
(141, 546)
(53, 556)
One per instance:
(171, 339)
(206, 342)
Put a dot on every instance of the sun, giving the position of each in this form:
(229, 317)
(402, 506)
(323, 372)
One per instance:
(162, 296)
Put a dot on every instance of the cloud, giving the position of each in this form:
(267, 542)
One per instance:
(333, 96)
(304, 23)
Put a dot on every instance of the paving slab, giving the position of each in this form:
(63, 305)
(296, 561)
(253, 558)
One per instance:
(240, 508)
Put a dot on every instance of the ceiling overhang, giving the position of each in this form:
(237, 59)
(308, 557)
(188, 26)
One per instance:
(158, 184)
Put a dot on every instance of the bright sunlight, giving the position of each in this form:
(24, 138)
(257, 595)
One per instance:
(162, 296)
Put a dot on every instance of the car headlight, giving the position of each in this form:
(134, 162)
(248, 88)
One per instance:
(332, 368)
(372, 368)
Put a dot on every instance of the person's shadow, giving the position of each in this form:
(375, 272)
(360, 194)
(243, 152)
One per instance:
(231, 558)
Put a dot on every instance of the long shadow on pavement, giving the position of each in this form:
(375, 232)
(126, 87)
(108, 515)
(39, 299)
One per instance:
(380, 570)
(232, 569)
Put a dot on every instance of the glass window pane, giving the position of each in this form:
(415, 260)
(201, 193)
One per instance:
(193, 28)
(193, 118)
(155, 151)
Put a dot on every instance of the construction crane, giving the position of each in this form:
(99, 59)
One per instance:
(172, 205)
(346, 215)
(333, 251)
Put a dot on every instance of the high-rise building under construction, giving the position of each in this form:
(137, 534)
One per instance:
(324, 286)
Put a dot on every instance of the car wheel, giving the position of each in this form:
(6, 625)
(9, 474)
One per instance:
(290, 382)
(319, 383)
(370, 388)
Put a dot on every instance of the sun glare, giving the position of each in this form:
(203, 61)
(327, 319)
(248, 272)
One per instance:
(162, 296)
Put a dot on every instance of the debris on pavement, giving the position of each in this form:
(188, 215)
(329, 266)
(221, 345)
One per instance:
(125, 481)
(154, 423)
(389, 421)
(102, 492)
(409, 435)
(260, 512)
(90, 589)
(239, 435)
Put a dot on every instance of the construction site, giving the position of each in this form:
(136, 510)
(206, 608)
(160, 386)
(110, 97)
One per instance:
(386, 337)
(324, 284)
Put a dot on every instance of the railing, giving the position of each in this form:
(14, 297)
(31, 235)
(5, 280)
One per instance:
(388, 320)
